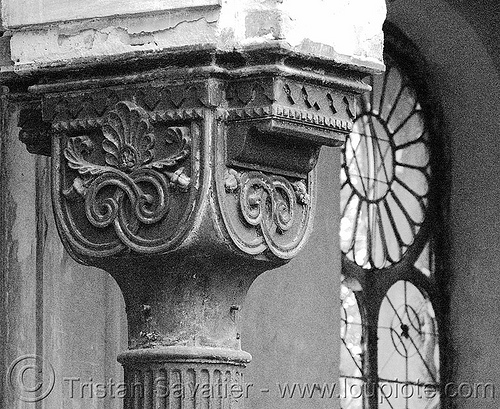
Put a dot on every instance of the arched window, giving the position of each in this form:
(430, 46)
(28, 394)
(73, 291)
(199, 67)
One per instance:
(392, 298)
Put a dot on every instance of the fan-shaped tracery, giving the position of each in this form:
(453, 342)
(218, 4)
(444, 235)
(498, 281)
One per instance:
(391, 309)
(385, 174)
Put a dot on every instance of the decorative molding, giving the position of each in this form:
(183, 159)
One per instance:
(288, 113)
(154, 117)
(130, 157)
(278, 125)
(127, 183)
(284, 98)
(160, 101)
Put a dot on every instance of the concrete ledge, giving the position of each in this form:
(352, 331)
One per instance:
(202, 62)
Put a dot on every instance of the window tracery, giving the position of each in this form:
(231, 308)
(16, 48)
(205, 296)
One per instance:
(391, 298)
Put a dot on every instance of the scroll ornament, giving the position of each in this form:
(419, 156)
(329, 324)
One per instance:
(132, 173)
(274, 206)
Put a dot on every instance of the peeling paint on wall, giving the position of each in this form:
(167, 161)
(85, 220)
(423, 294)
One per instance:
(345, 31)
(116, 36)
(332, 27)
(18, 13)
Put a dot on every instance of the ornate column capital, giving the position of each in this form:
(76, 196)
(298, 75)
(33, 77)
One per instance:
(166, 164)
(185, 182)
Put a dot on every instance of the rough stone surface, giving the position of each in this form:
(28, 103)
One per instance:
(344, 31)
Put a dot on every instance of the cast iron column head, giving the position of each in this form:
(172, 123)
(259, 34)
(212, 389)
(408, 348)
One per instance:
(185, 184)
(191, 163)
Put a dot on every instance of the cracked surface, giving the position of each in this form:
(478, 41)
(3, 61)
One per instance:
(17, 13)
(117, 36)
(345, 31)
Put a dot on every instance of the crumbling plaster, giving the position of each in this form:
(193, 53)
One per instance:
(20, 13)
(328, 28)
(345, 31)
(68, 41)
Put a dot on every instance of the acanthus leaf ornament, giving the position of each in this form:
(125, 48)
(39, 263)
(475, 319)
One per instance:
(129, 142)
(129, 145)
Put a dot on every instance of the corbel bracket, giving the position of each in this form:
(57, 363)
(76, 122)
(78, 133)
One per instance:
(278, 124)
